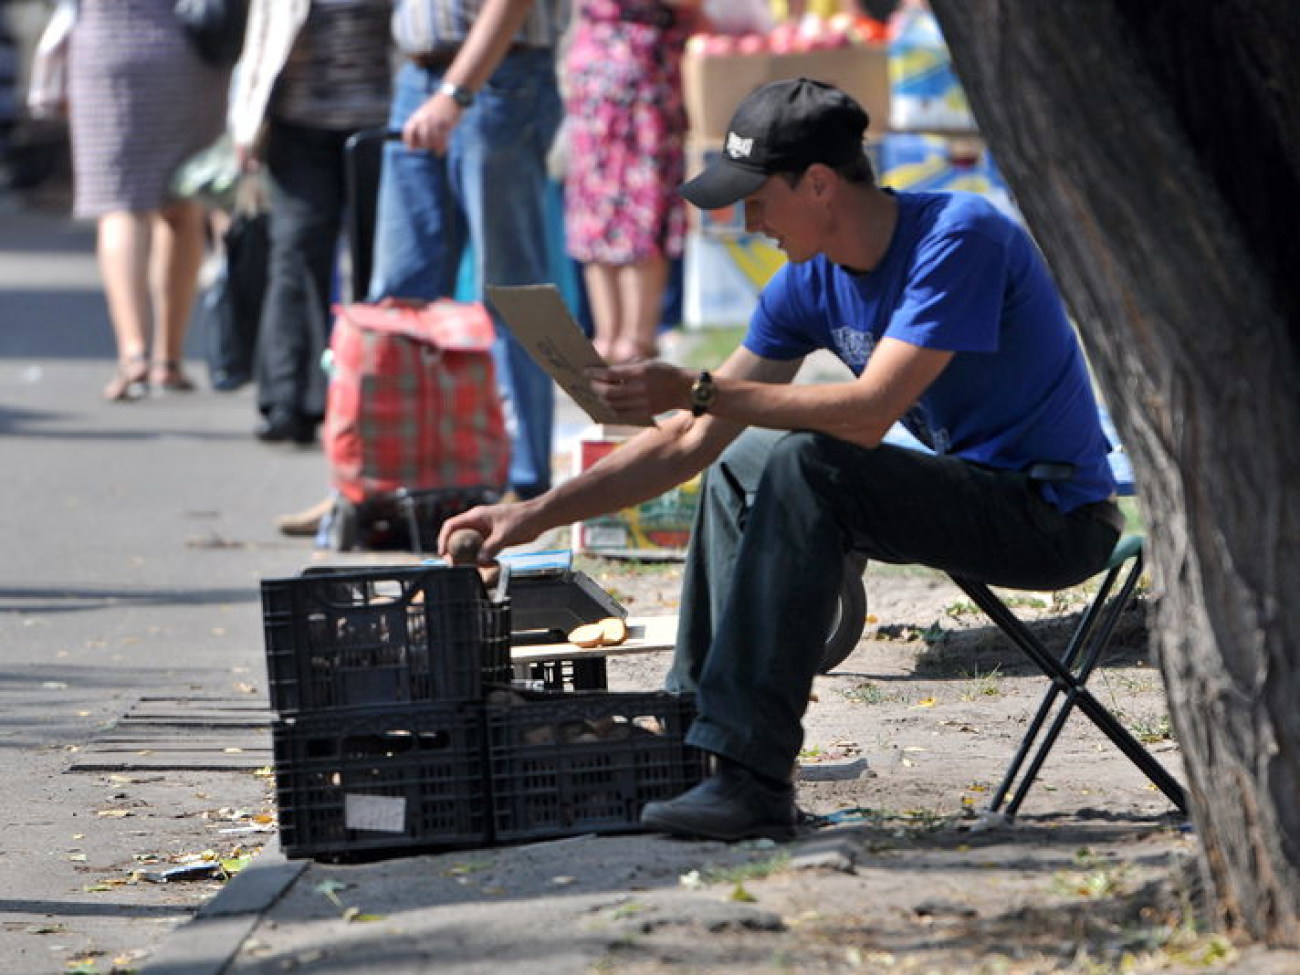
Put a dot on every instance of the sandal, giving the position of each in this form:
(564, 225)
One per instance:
(130, 382)
(168, 377)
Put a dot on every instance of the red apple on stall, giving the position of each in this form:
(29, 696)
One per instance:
(832, 38)
(809, 32)
(873, 31)
(784, 38)
(841, 21)
(710, 45)
(751, 44)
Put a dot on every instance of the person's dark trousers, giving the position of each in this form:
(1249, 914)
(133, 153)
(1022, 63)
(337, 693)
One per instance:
(309, 198)
(778, 514)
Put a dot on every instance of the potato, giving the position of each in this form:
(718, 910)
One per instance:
(463, 546)
(587, 636)
(613, 631)
(609, 632)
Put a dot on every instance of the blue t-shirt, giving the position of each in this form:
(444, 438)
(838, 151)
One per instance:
(962, 277)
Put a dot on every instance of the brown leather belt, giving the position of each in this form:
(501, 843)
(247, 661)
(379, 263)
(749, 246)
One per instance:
(443, 56)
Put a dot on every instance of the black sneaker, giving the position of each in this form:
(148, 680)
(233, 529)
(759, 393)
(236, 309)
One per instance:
(732, 805)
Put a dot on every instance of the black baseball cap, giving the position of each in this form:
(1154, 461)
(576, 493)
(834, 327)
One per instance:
(782, 127)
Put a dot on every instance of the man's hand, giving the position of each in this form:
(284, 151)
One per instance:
(639, 389)
(431, 125)
(500, 525)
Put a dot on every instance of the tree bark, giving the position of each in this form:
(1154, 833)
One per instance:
(1153, 148)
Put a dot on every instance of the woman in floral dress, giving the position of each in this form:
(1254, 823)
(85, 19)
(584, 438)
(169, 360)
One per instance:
(626, 131)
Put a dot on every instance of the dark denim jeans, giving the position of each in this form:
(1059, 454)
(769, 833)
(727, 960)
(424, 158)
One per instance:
(309, 200)
(778, 514)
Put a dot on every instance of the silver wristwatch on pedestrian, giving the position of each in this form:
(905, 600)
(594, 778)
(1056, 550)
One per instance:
(461, 96)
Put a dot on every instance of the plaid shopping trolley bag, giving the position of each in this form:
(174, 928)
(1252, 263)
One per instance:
(414, 428)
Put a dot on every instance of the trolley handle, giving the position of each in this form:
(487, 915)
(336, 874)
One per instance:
(379, 133)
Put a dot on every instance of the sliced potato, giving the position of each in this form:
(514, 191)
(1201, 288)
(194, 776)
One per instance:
(586, 636)
(613, 631)
(609, 632)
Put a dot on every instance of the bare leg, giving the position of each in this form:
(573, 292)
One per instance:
(603, 296)
(175, 261)
(123, 252)
(640, 290)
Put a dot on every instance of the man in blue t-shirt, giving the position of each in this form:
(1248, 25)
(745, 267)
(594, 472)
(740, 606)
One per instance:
(949, 320)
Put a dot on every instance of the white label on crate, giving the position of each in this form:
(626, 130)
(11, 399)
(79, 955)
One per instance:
(383, 814)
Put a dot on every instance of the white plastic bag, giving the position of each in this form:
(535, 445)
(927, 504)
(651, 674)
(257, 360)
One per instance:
(47, 91)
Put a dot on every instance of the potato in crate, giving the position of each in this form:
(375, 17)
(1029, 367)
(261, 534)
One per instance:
(340, 638)
(568, 763)
(381, 782)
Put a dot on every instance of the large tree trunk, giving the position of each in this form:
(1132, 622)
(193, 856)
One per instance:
(1154, 149)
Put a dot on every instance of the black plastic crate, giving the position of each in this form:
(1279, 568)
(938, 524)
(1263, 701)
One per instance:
(365, 784)
(571, 763)
(568, 674)
(403, 635)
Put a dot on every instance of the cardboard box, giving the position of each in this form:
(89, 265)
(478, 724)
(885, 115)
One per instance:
(723, 276)
(911, 161)
(713, 85)
(726, 222)
(925, 92)
(658, 528)
(860, 70)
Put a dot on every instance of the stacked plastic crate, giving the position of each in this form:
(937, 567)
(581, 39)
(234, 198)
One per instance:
(378, 678)
(399, 728)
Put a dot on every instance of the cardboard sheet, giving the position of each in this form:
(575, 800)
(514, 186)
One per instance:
(540, 320)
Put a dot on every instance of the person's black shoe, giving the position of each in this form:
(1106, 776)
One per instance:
(226, 381)
(734, 804)
(283, 426)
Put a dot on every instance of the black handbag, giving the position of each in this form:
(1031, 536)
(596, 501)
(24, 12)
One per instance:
(215, 28)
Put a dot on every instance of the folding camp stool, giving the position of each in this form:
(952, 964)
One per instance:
(1068, 674)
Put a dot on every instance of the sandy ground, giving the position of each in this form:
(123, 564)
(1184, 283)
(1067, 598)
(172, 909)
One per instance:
(904, 744)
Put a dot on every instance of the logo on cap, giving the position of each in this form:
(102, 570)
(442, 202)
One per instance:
(738, 148)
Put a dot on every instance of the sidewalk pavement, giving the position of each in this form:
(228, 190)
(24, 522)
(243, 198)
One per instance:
(551, 908)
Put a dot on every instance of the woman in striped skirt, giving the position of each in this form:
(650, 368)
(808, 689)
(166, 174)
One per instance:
(140, 102)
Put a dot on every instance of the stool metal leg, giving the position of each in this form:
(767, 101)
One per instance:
(1089, 660)
(1078, 640)
(1065, 681)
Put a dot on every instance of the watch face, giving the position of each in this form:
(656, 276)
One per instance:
(461, 96)
(702, 394)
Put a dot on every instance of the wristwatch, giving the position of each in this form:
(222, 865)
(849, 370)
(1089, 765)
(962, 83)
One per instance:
(703, 393)
(461, 96)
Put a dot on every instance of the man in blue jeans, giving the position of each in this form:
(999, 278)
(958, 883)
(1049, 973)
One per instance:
(944, 311)
(478, 106)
